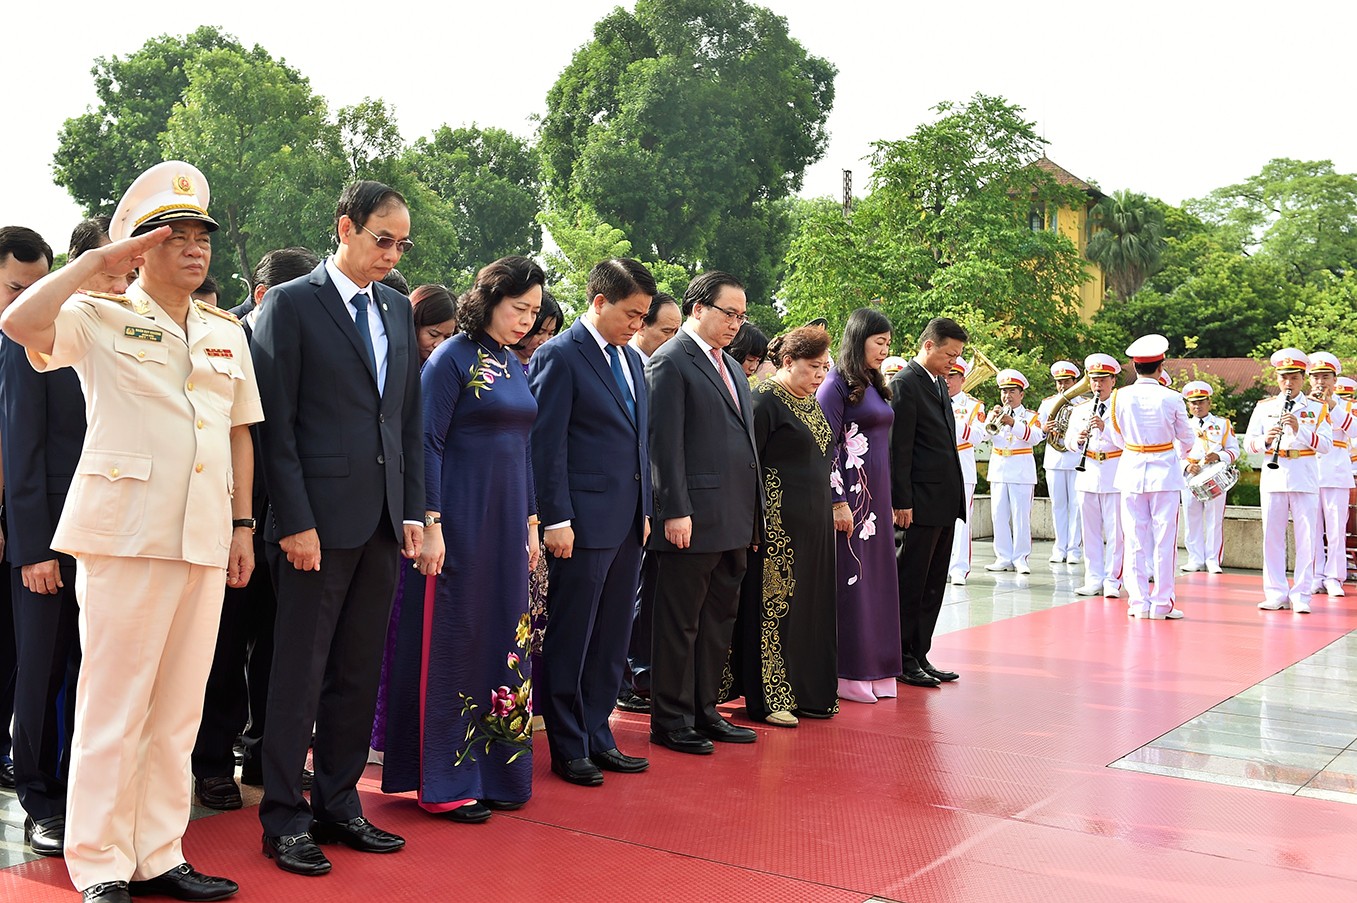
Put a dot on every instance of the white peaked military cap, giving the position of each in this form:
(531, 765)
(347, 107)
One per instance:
(1323, 362)
(1148, 348)
(1197, 389)
(1008, 379)
(1064, 370)
(893, 365)
(1166, 379)
(960, 366)
(167, 192)
(1101, 365)
(1345, 387)
(1289, 360)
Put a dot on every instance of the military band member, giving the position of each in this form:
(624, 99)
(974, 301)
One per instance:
(1215, 442)
(1335, 477)
(1012, 474)
(970, 422)
(169, 394)
(1099, 501)
(1147, 420)
(892, 365)
(1291, 431)
(1345, 387)
(1060, 474)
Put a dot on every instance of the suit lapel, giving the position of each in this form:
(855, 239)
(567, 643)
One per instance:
(328, 298)
(700, 359)
(588, 347)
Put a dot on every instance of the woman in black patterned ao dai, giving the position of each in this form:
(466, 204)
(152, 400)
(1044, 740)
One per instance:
(784, 660)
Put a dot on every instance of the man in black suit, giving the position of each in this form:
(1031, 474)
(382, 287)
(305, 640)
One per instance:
(237, 687)
(44, 430)
(591, 468)
(927, 493)
(343, 455)
(709, 505)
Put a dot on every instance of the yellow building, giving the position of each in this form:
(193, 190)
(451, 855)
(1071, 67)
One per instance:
(1076, 224)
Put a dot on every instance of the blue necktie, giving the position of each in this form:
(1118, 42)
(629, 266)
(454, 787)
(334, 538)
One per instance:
(621, 378)
(360, 302)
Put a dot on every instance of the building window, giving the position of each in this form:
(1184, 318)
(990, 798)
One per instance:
(1036, 218)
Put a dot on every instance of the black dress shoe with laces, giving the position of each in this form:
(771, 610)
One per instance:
(357, 833)
(918, 677)
(46, 836)
(107, 892)
(726, 732)
(684, 740)
(184, 882)
(937, 673)
(578, 771)
(218, 793)
(628, 701)
(615, 760)
(7, 774)
(296, 853)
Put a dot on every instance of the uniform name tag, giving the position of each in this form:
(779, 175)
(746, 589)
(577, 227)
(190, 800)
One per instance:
(146, 335)
(218, 352)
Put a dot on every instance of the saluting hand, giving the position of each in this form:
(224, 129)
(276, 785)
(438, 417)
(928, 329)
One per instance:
(122, 257)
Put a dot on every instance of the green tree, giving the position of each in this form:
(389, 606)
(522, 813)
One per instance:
(681, 114)
(1130, 240)
(1327, 321)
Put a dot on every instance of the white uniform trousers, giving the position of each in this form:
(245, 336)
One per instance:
(148, 628)
(1100, 520)
(1204, 532)
(1151, 527)
(1331, 535)
(960, 564)
(1065, 513)
(1303, 508)
(1011, 511)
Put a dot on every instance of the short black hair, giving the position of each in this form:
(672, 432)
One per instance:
(939, 329)
(24, 245)
(507, 277)
(748, 342)
(362, 199)
(209, 287)
(657, 304)
(89, 234)
(620, 277)
(394, 279)
(550, 310)
(283, 265)
(433, 304)
(705, 289)
(1147, 368)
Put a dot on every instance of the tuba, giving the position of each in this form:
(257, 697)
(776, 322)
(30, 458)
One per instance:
(982, 370)
(1058, 421)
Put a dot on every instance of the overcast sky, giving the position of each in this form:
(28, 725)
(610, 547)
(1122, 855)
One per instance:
(1169, 98)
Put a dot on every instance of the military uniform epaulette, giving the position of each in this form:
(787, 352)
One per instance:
(210, 309)
(120, 299)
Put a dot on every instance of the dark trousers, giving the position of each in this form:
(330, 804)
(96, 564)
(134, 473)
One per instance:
(236, 698)
(921, 562)
(8, 656)
(330, 632)
(636, 677)
(695, 606)
(591, 596)
(47, 634)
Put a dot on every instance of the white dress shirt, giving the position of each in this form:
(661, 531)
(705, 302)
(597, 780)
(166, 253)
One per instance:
(347, 288)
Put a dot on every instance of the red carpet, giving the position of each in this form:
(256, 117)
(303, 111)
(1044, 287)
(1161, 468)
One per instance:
(991, 789)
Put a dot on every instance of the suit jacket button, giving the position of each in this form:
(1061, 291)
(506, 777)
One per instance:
(381, 418)
(381, 459)
(751, 465)
(638, 476)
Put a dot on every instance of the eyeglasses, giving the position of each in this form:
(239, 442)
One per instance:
(737, 317)
(386, 242)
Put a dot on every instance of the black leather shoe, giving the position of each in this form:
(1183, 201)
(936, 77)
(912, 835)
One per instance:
(918, 677)
(218, 793)
(615, 760)
(726, 732)
(472, 813)
(501, 805)
(359, 834)
(107, 892)
(684, 740)
(7, 774)
(45, 837)
(296, 853)
(578, 771)
(251, 772)
(184, 882)
(937, 673)
(630, 702)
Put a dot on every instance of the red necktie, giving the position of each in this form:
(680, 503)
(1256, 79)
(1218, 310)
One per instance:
(720, 367)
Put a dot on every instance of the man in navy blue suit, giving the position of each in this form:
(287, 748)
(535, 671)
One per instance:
(591, 465)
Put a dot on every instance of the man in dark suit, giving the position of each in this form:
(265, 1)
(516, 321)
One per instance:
(591, 466)
(927, 493)
(237, 687)
(709, 505)
(44, 430)
(343, 455)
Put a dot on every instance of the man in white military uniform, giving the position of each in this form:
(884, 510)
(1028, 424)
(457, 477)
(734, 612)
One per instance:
(1060, 475)
(1012, 475)
(1291, 431)
(1204, 533)
(169, 396)
(1345, 388)
(1147, 419)
(1335, 477)
(1099, 501)
(969, 414)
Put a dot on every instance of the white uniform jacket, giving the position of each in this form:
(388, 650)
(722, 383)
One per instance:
(1101, 454)
(1011, 460)
(1298, 469)
(1148, 421)
(1052, 459)
(970, 432)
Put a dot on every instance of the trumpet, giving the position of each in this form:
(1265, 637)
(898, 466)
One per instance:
(992, 422)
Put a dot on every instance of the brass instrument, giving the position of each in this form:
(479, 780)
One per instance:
(992, 422)
(1058, 421)
(982, 370)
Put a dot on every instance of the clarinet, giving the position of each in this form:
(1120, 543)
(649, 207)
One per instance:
(1277, 452)
(1083, 446)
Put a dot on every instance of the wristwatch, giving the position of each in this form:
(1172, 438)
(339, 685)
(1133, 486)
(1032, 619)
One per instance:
(243, 522)
(431, 519)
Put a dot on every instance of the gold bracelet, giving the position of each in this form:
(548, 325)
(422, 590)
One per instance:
(534, 521)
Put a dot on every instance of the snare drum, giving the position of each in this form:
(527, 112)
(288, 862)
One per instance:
(1213, 481)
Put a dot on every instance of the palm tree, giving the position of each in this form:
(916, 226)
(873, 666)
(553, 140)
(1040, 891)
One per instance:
(1129, 241)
